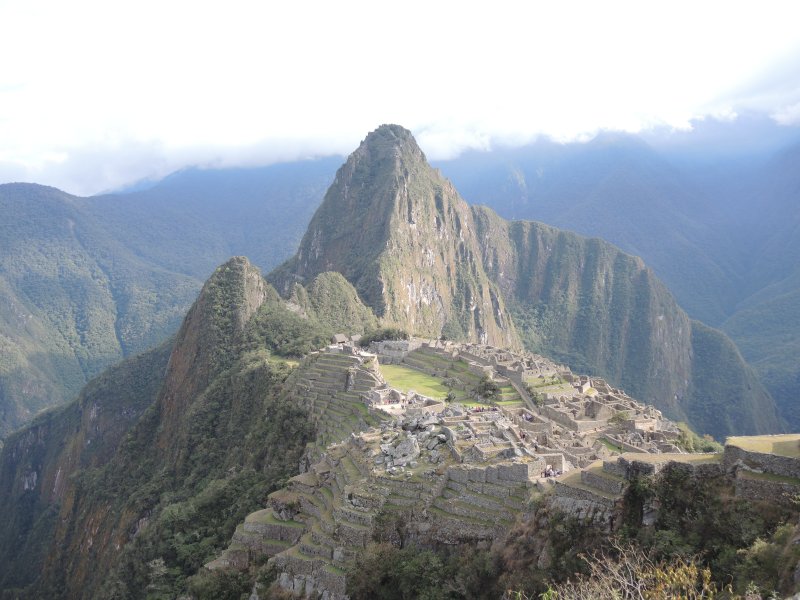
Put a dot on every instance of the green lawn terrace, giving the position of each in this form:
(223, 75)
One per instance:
(436, 369)
(334, 386)
(787, 445)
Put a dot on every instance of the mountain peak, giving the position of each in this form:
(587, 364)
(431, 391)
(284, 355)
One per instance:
(395, 136)
(401, 234)
(389, 146)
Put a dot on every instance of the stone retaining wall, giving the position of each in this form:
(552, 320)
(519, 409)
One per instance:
(769, 463)
(575, 493)
(609, 485)
(760, 490)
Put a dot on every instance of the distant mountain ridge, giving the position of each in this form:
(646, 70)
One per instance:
(714, 213)
(188, 223)
(427, 262)
(85, 282)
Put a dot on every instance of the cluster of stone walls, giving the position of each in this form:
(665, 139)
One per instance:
(610, 485)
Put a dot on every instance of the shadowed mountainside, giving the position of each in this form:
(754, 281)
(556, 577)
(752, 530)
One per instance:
(161, 456)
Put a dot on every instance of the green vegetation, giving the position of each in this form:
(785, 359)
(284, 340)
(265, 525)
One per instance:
(691, 442)
(85, 282)
(700, 517)
(385, 333)
(335, 302)
(611, 446)
(619, 417)
(384, 572)
(288, 333)
(73, 300)
(730, 392)
(406, 379)
(183, 478)
(768, 337)
(487, 389)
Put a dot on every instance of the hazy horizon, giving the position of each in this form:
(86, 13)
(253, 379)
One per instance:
(101, 95)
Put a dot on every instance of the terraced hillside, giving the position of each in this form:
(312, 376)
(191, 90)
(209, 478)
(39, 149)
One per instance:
(316, 526)
(331, 387)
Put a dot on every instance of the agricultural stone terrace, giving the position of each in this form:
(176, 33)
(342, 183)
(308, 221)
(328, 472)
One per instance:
(464, 470)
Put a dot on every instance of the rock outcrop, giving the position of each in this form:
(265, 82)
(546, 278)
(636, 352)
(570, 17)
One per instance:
(400, 233)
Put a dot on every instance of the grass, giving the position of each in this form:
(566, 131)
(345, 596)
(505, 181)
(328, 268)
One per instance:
(266, 517)
(610, 446)
(509, 403)
(535, 382)
(280, 360)
(782, 445)
(406, 379)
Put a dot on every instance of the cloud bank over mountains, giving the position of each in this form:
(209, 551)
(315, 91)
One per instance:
(100, 94)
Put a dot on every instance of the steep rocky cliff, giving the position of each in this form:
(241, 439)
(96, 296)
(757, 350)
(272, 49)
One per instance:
(42, 469)
(400, 233)
(583, 301)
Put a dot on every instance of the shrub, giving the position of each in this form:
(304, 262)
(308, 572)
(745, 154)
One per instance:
(380, 335)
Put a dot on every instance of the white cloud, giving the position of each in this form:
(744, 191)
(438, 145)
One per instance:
(99, 88)
(788, 115)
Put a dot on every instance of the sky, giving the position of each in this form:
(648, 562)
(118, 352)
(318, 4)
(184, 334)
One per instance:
(97, 94)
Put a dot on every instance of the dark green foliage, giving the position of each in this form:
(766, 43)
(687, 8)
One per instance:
(700, 516)
(235, 440)
(330, 305)
(487, 388)
(85, 282)
(335, 302)
(220, 585)
(767, 335)
(730, 397)
(691, 442)
(384, 572)
(379, 335)
(564, 539)
(242, 442)
(285, 332)
(113, 401)
(73, 300)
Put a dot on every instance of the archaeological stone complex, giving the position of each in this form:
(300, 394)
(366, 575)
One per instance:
(462, 467)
